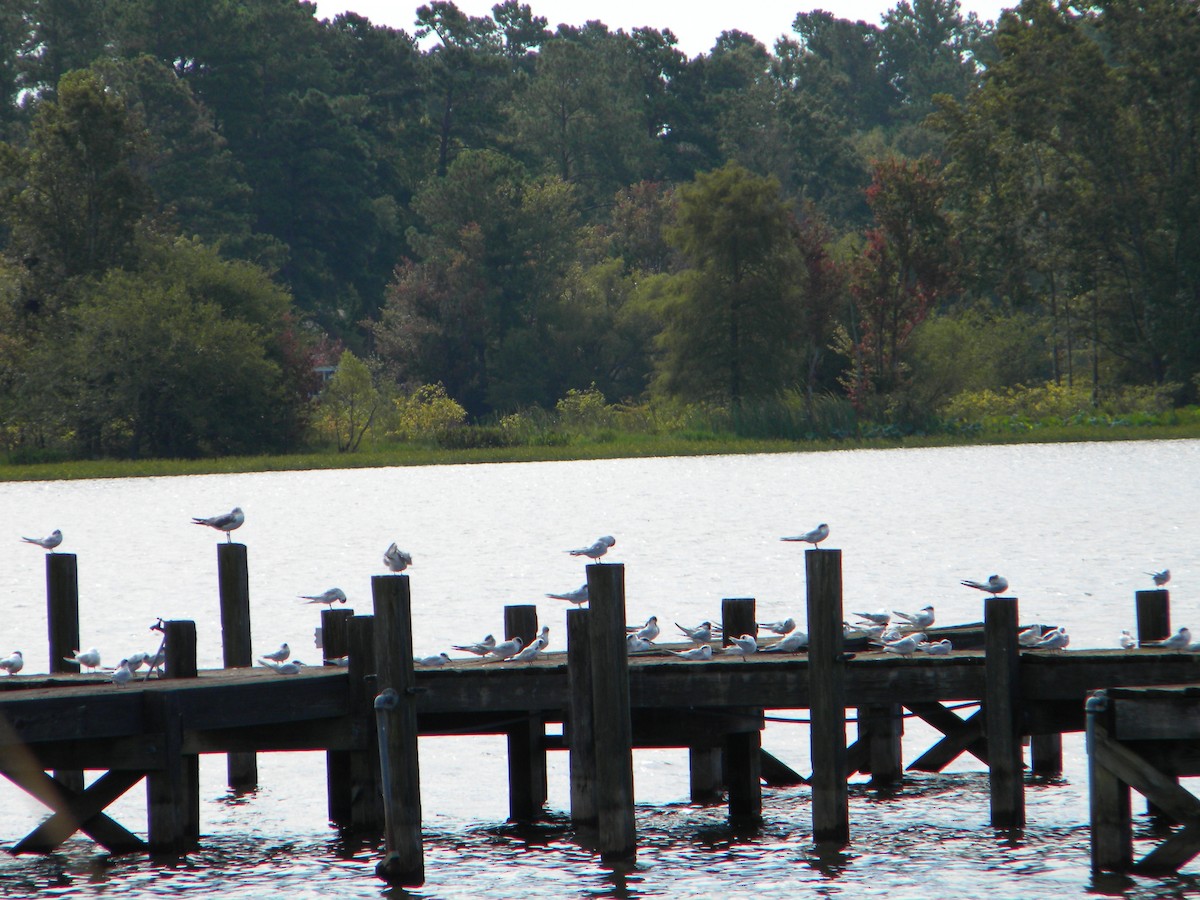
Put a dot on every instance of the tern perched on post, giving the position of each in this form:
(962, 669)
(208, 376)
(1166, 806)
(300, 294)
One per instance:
(596, 549)
(1160, 578)
(49, 542)
(396, 559)
(813, 537)
(995, 584)
(225, 522)
(330, 597)
(579, 596)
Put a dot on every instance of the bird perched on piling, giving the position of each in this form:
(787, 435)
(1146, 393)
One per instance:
(701, 634)
(121, 674)
(579, 596)
(1160, 578)
(225, 522)
(396, 559)
(89, 658)
(704, 651)
(787, 626)
(49, 542)
(995, 584)
(1180, 640)
(480, 648)
(596, 549)
(789, 643)
(278, 655)
(329, 597)
(742, 646)
(433, 661)
(14, 663)
(813, 537)
(919, 620)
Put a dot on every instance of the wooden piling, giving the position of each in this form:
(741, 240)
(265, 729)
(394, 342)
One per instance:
(579, 727)
(1154, 624)
(881, 731)
(173, 794)
(1108, 796)
(743, 776)
(1046, 754)
(233, 577)
(366, 796)
(335, 644)
(611, 712)
(706, 774)
(1153, 615)
(826, 674)
(62, 620)
(521, 621)
(737, 619)
(1002, 712)
(404, 863)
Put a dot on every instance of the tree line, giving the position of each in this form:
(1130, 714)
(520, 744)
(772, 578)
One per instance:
(204, 202)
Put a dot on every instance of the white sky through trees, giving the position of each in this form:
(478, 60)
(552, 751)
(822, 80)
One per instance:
(696, 25)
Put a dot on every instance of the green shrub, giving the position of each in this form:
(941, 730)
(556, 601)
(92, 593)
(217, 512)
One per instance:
(427, 413)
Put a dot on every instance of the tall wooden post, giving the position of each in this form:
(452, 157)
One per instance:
(1154, 624)
(706, 774)
(743, 775)
(173, 794)
(1108, 796)
(580, 730)
(1153, 615)
(233, 577)
(1002, 712)
(611, 711)
(737, 619)
(366, 796)
(404, 863)
(521, 621)
(62, 620)
(826, 678)
(335, 644)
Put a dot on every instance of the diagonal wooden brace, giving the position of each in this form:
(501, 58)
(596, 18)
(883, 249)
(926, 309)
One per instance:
(961, 736)
(83, 811)
(1161, 790)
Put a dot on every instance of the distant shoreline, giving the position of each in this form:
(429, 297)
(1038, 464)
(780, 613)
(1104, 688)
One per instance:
(622, 447)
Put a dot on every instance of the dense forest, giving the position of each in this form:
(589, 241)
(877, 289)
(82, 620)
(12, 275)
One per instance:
(207, 205)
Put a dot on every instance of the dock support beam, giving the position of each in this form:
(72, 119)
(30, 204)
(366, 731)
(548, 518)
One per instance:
(233, 577)
(1154, 624)
(706, 774)
(579, 727)
(173, 794)
(743, 776)
(404, 863)
(62, 619)
(521, 621)
(335, 644)
(611, 712)
(826, 668)
(1108, 797)
(366, 797)
(1002, 713)
(881, 732)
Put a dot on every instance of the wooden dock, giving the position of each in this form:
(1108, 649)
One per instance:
(367, 716)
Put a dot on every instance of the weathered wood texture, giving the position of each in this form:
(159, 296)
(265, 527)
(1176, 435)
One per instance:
(366, 799)
(404, 863)
(233, 581)
(827, 697)
(579, 728)
(521, 621)
(335, 644)
(611, 711)
(1002, 712)
(62, 619)
(1153, 614)
(738, 618)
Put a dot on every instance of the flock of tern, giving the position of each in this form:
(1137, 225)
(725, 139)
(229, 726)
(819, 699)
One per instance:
(891, 630)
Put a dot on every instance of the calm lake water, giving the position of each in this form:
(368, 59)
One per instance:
(1073, 527)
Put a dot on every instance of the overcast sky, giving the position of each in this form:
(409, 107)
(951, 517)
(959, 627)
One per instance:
(695, 24)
